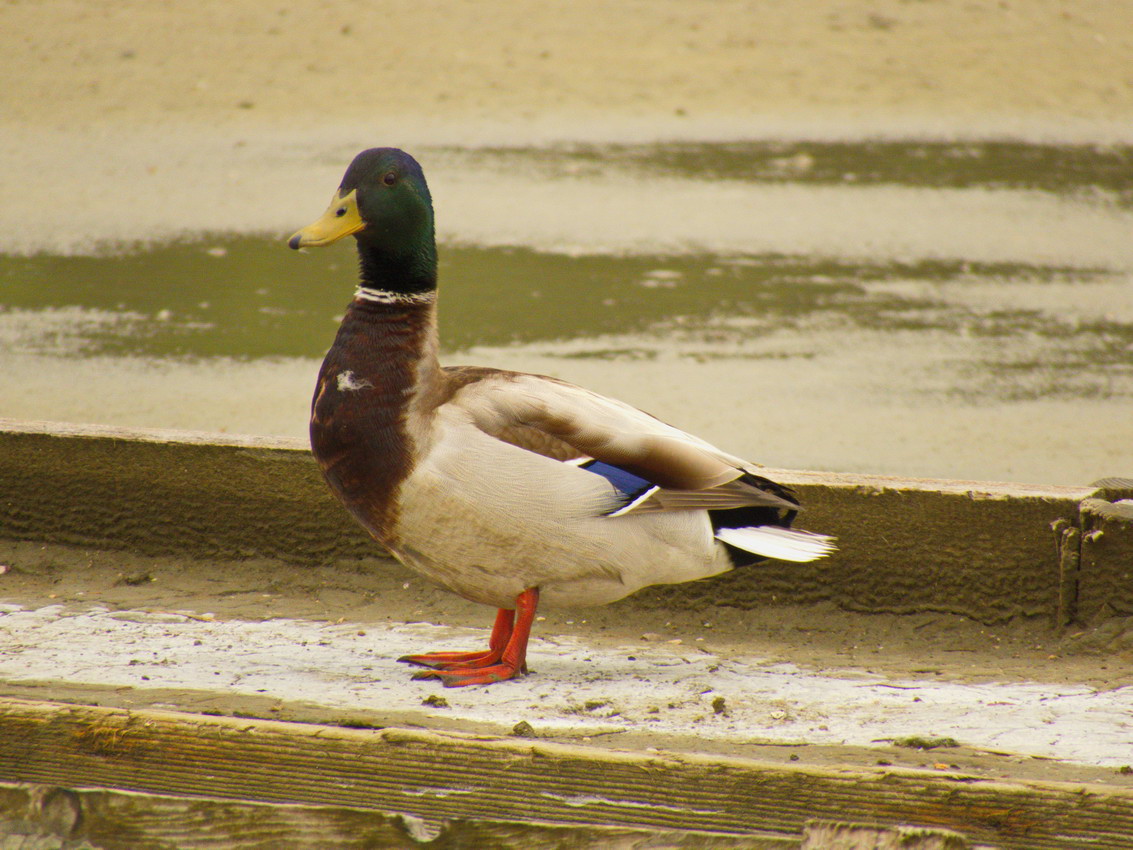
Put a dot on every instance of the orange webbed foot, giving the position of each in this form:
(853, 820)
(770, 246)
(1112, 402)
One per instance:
(505, 658)
(452, 660)
(459, 677)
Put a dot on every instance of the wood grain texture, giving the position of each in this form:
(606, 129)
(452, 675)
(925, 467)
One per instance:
(827, 835)
(438, 776)
(40, 817)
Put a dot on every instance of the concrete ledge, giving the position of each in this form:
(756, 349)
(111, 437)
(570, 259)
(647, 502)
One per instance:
(1105, 564)
(167, 492)
(982, 550)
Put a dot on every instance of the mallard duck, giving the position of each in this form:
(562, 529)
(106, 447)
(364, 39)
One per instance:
(509, 489)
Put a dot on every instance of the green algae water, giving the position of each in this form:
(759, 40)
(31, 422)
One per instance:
(248, 297)
(784, 298)
(936, 164)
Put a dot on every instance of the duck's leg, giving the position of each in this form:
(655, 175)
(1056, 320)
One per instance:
(501, 633)
(512, 659)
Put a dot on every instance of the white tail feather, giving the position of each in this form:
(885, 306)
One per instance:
(784, 544)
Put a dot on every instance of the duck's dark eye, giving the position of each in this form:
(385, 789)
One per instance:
(390, 178)
(340, 212)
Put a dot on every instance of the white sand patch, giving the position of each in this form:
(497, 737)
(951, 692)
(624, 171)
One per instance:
(656, 688)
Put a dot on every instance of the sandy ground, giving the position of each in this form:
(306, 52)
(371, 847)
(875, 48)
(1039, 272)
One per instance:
(951, 64)
(244, 104)
(248, 110)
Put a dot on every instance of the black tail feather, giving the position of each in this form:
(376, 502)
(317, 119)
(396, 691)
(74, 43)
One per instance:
(754, 516)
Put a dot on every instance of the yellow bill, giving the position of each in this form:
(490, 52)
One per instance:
(341, 219)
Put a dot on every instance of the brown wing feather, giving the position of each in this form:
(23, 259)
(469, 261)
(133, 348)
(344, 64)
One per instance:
(734, 494)
(539, 442)
(517, 407)
(524, 436)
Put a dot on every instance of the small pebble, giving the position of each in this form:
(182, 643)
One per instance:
(523, 729)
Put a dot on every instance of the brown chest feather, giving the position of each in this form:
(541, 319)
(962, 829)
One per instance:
(359, 432)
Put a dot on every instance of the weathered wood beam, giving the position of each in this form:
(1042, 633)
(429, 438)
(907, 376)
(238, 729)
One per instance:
(44, 816)
(827, 835)
(439, 776)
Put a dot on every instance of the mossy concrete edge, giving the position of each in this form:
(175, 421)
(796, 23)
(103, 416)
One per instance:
(980, 549)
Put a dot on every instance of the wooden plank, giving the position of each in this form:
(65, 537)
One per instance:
(437, 776)
(39, 816)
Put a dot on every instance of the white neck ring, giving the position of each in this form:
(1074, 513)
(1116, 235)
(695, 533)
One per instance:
(385, 296)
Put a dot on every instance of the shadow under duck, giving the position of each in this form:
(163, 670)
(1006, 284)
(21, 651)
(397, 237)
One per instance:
(509, 489)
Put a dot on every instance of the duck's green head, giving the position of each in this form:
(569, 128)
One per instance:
(383, 201)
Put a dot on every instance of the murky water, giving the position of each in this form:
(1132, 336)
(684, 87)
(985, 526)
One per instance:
(927, 309)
